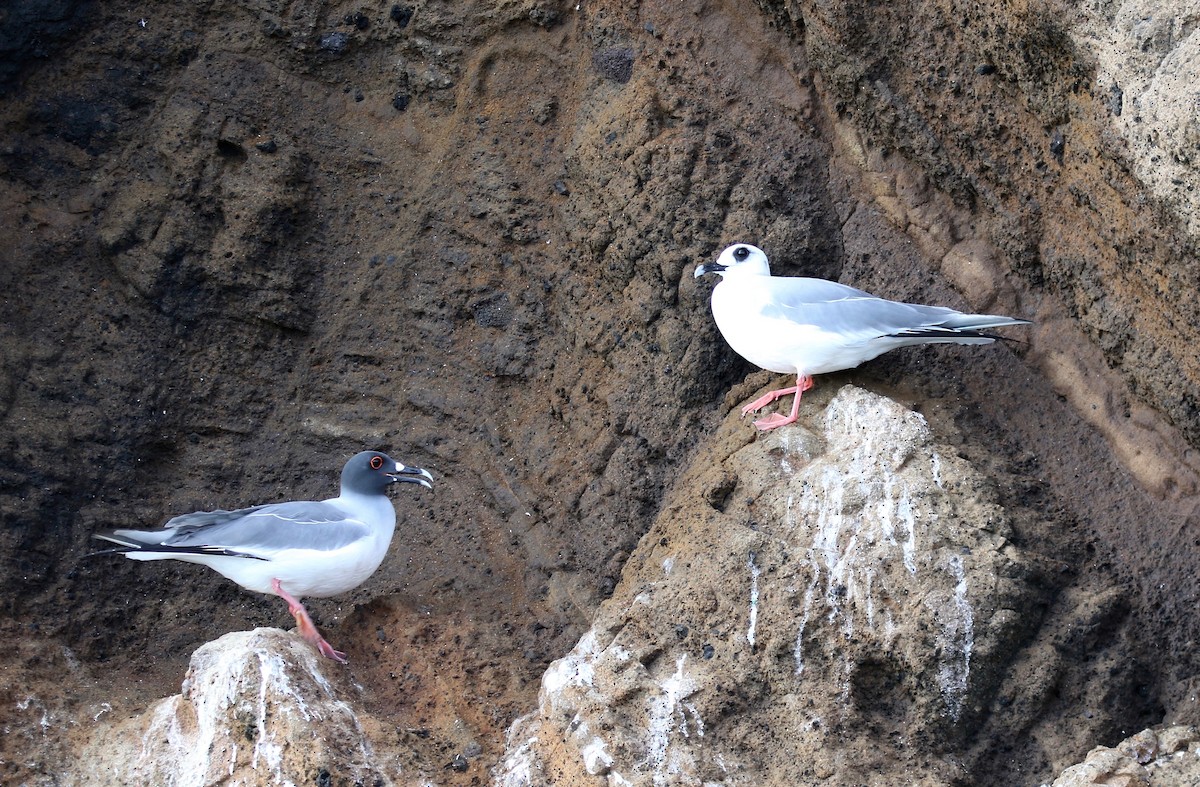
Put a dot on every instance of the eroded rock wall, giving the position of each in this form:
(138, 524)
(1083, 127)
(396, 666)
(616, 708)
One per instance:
(245, 240)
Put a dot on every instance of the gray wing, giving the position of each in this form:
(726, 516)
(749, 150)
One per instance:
(799, 291)
(259, 532)
(860, 316)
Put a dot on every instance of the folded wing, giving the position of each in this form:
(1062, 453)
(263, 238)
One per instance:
(259, 532)
(860, 317)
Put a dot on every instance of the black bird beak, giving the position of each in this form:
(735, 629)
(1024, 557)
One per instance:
(403, 474)
(708, 267)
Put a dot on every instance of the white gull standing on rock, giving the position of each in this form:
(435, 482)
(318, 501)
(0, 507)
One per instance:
(291, 550)
(812, 326)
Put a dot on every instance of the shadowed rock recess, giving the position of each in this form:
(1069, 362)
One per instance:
(243, 241)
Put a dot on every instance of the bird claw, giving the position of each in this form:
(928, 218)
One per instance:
(328, 651)
(766, 399)
(773, 421)
(803, 383)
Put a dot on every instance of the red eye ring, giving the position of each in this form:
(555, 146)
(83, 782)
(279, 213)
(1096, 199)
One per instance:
(376, 462)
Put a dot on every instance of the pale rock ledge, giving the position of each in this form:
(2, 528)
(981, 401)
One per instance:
(254, 709)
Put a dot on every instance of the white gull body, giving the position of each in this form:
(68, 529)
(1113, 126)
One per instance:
(294, 549)
(807, 326)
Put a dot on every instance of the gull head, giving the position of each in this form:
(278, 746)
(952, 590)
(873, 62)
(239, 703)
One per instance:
(370, 472)
(740, 259)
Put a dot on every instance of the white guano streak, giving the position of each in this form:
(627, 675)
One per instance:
(958, 640)
(754, 573)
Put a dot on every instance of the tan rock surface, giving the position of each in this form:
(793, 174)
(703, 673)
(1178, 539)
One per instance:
(1148, 62)
(846, 593)
(1162, 757)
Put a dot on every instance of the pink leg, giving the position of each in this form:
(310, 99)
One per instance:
(305, 625)
(767, 398)
(775, 420)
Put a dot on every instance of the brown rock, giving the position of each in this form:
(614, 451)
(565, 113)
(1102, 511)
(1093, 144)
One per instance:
(228, 260)
(856, 601)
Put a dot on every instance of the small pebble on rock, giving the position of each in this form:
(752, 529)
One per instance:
(1058, 144)
(615, 63)
(334, 43)
(401, 15)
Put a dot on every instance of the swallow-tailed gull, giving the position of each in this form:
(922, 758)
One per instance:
(812, 326)
(291, 550)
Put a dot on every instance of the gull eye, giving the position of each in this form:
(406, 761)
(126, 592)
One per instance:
(741, 253)
(376, 462)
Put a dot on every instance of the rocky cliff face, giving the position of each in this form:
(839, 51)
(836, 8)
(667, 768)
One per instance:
(809, 607)
(244, 241)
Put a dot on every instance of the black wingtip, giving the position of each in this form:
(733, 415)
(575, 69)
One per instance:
(947, 334)
(112, 551)
(126, 546)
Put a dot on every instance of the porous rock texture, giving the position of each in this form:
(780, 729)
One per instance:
(1163, 756)
(243, 241)
(844, 595)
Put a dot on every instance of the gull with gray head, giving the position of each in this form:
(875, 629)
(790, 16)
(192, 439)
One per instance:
(805, 326)
(291, 550)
